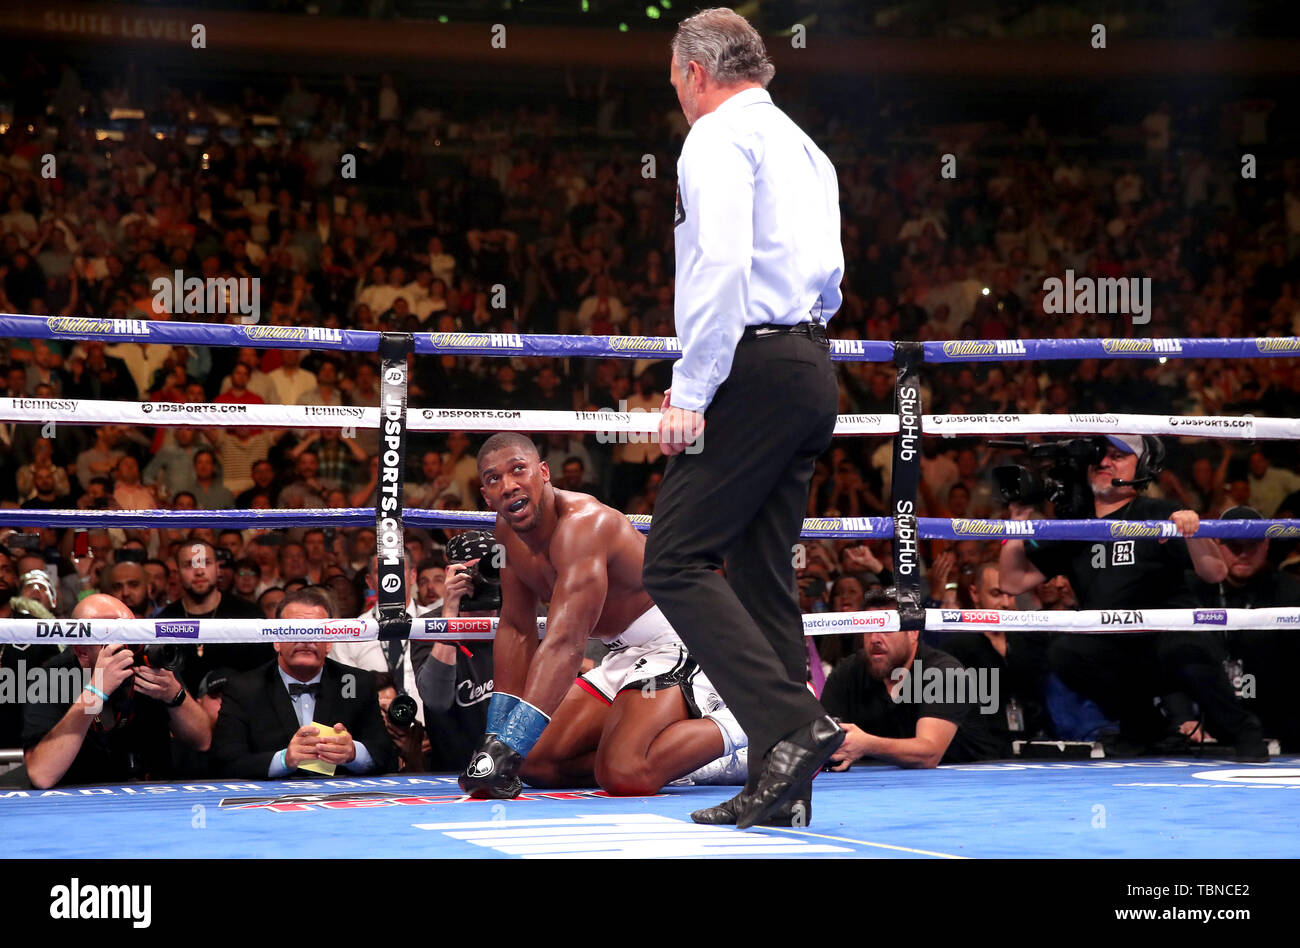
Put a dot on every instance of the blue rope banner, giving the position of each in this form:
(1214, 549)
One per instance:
(1022, 350)
(941, 528)
(167, 332)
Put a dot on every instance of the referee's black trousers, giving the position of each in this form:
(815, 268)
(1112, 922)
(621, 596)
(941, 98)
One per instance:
(740, 502)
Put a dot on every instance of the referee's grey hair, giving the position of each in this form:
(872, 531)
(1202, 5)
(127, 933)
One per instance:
(725, 45)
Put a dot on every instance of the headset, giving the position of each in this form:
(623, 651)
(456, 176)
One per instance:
(1149, 465)
(1152, 461)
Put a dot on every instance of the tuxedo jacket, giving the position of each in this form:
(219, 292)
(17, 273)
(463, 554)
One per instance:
(257, 720)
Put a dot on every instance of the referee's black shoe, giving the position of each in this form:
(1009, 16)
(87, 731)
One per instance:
(789, 768)
(797, 812)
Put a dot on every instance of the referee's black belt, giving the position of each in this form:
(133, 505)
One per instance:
(812, 330)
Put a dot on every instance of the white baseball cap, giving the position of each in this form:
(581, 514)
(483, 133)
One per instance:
(1129, 444)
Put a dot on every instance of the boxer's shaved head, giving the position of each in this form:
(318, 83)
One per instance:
(515, 481)
(513, 441)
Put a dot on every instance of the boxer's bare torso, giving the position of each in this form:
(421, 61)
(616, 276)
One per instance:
(579, 521)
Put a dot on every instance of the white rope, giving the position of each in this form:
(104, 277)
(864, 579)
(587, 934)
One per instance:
(197, 414)
(90, 411)
(1110, 621)
(197, 631)
(1244, 427)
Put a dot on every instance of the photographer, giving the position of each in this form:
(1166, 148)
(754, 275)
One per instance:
(455, 678)
(877, 695)
(1120, 672)
(121, 725)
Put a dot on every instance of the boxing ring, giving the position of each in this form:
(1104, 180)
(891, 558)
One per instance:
(1138, 809)
(1180, 808)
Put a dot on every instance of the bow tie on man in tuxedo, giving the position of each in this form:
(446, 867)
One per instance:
(305, 661)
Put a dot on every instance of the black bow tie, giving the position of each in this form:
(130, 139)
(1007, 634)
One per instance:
(296, 689)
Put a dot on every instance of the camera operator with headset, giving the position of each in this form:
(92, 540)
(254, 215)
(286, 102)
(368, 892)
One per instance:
(1104, 477)
(121, 725)
(455, 678)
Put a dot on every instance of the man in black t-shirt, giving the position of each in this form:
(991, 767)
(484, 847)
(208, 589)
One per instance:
(1262, 662)
(1121, 672)
(202, 599)
(908, 704)
(1020, 659)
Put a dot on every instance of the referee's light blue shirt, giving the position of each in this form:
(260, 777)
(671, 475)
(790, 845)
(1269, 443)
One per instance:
(757, 237)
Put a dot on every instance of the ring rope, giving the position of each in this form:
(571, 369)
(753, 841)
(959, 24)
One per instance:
(509, 345)
(194, 631)
(828, 528)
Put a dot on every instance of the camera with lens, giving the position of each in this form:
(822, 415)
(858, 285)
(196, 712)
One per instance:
(401, 710)
(485, 575)
(159, 655)
(1057, 473)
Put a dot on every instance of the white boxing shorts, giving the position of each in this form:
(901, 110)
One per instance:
(650, 651)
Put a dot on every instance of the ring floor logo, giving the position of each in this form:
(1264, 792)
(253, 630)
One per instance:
(622, 835)
(1258, 777)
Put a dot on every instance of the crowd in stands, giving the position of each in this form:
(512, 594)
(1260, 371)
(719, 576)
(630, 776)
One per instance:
(518, 230)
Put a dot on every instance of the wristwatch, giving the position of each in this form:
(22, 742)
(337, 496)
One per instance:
(178, 700)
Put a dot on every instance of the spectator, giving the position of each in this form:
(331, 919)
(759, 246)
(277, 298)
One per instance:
(100, 459)
(306, 490)
(293, 562)
(247, 579)
(129, 584)
(129, 493)
(251, 742)
(263, 475)
(461, 466)
(209, 493)
(1268, 484)
(433, 484)
(238, 391)
(430, 580)
(290, 381)
(573, 476)
(270, 601)
(171, 470)
(635, 458)
(338, 459)
(201, 598)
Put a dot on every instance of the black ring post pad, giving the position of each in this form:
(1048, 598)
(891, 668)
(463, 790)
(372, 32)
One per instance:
(394, 625)
(394, 349)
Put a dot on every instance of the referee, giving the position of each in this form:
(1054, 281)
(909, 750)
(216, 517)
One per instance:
(759, 265)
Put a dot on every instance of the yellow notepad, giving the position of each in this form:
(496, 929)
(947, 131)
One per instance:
(320, 766)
